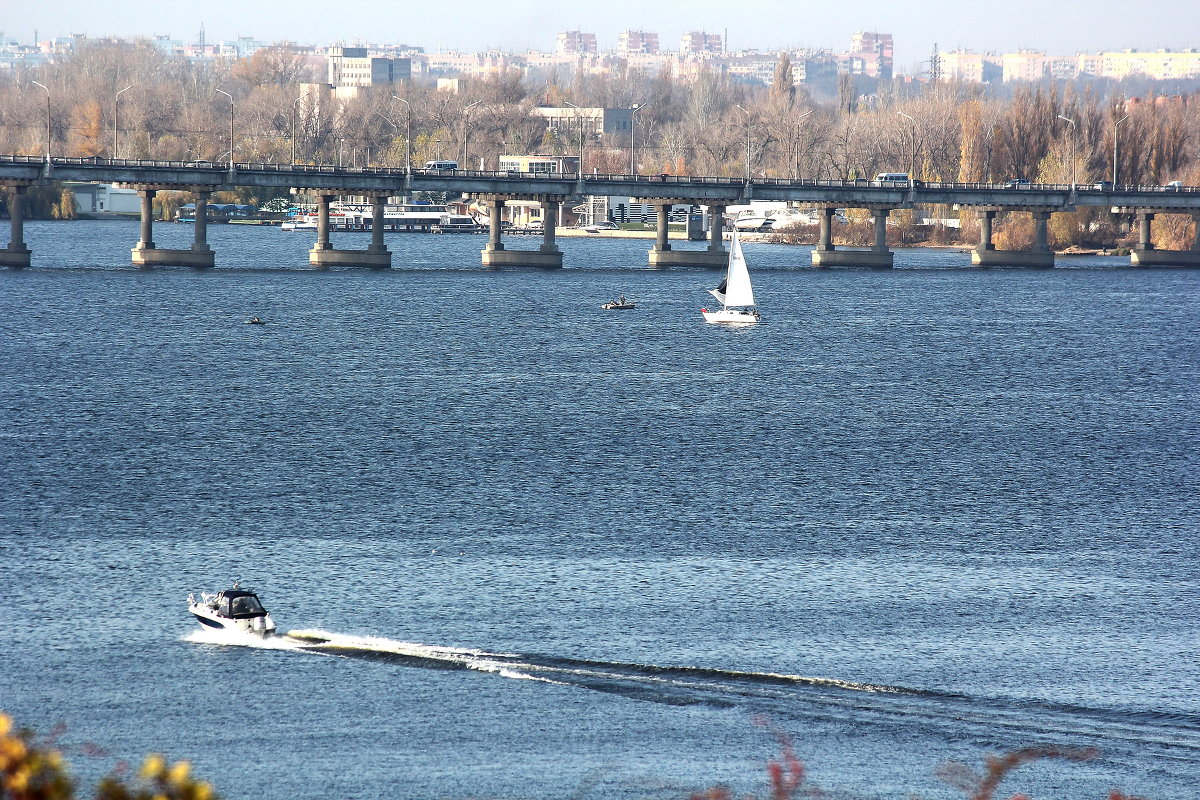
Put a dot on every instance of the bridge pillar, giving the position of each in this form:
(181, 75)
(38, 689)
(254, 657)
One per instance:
(147, 255)
(825, 237)
(200, 241)
(1147, 255)
(323, 254)
(716, 230)
(985, 230)
(378, 206)
(660, 234)
(1144, 220)
(147, 198)
(547, 255)
(549, 223)
(495, 225)
(17, 254)
(825, 255)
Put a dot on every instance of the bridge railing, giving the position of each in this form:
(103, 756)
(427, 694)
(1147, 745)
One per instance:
(560, 178)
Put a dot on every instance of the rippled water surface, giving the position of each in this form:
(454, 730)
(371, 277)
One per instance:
(532, 549)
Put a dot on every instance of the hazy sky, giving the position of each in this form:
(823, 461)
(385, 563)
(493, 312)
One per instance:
(1056, 26)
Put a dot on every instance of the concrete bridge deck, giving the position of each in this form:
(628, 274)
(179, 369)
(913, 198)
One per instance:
(327, 181)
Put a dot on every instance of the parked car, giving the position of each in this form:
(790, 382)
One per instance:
(1103, 186)
(1174, 186)
(605, 226)
(1016, 183)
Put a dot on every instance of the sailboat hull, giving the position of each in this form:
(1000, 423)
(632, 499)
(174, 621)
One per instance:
(731, 315)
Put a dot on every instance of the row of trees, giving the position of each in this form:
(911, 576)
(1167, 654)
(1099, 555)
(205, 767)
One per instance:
(174, 109)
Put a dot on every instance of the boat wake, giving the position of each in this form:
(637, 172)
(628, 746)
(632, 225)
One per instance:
(1173, 737)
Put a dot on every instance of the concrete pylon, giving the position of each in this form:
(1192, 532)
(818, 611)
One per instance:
(495, 254)
(323, 254)
(664, 255)
(986, 254)
(825, 254)
(147, 254)
(17, 254)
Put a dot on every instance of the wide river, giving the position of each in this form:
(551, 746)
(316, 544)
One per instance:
(916, 516)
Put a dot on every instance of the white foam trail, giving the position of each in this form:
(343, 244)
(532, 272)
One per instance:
(232, 638)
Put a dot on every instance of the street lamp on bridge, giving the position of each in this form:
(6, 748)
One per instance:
(747, 113)
(407, 134)
(1116, 130)
(117, 120)
(47, 118)
(1072, 122)
(295, 103)
(579, 125)
(231, 158)
(462, 161)
(912, 162)
(632, 138)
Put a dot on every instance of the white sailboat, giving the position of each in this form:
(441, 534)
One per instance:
(735, 293)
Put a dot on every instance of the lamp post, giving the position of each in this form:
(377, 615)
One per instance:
(1116, 130)
(579, 125)
(295, 103)
(1068, 119)
(632, 137)
(117, 121)
(802, 116)
(407, 135)
(47, 119)
(747, 113)
(912, 163)
(466, 131)
(231, 158)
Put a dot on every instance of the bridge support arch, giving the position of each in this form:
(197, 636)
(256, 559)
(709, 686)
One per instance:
(825, 254)
(146, 254)
(986, 254)
(323, 254)
(663, 255)
(17, 254)
(1147, 255)
(547, 255)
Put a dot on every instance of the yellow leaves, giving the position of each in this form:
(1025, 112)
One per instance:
(30, 772)
(153, 767)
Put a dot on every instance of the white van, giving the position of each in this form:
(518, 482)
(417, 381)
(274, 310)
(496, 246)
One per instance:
(891, 177)
(441, 165)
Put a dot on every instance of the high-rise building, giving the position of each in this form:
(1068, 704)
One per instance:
(632, 42)
(696, 42)
(575, 42)
(870, 54)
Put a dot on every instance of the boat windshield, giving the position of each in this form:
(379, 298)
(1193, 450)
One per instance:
(245, 605)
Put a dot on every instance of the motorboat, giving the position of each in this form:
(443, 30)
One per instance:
(735, 293)
(235, 609)
(255, 321)
(620, 304)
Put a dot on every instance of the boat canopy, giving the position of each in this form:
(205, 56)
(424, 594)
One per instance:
(238, 604)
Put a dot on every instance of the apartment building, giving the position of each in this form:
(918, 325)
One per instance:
(354, 67)
(699, 42)
(633, 42)
(575, 43)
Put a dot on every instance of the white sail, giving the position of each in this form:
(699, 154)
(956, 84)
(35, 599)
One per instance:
(738, 291)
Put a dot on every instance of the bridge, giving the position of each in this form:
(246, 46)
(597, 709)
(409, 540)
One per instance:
(202, 178)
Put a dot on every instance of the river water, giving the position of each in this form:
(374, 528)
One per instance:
(540, 550)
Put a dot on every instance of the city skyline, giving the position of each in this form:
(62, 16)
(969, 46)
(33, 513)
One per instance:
(993, 25)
